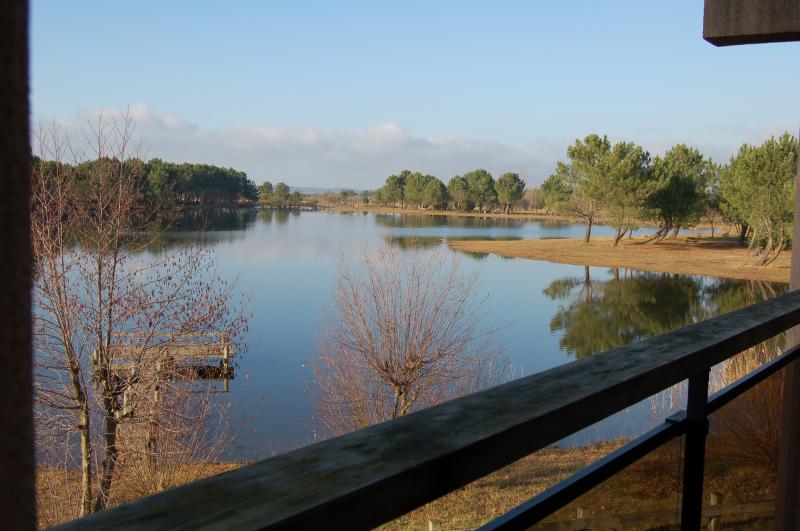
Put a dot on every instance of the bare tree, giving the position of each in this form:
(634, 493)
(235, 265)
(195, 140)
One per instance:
(107, 315)
(403, 335)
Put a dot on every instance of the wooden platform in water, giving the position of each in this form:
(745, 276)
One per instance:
(187, 357)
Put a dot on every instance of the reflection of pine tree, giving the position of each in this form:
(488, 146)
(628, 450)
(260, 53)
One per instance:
(601, 315)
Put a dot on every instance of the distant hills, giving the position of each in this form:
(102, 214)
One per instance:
(316, 190)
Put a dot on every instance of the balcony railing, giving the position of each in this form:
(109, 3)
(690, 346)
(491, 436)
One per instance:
(374, 475)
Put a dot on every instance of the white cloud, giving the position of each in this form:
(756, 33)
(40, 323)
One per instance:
(326, 158)
(364, 158)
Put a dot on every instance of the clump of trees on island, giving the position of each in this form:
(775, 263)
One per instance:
(622, 185)
(476, 189)
(280, 194)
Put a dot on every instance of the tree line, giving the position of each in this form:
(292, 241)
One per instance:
(622, 185)
(281, 193)
(475, 189)
(186, 183)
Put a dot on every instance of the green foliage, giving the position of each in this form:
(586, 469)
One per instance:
(683, 177)
(509, 189)
(265, 191)
(435, 194)
(758, 187)
(627, 184)
(393, 189)
(481, 188)
(196, 183)
(557, 190)
(578, 188)
(458, 189)
(281, 192)
(414, 189)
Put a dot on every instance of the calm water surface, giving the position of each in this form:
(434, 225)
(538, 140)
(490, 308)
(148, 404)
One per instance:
(547, 314)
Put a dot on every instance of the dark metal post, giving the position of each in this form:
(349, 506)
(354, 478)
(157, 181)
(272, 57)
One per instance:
(694, 451)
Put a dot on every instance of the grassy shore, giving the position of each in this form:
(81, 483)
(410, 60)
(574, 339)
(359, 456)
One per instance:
(521, 216)
(650, 485)
(719, 257)
(538, 215)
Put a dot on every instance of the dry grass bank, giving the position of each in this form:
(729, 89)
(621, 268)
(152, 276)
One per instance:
(651, 484)
(719, 257)
(58, 491)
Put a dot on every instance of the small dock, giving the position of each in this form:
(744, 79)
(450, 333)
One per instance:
(189, 357)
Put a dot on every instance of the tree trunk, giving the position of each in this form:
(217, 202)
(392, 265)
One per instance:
(618, 236)
(778, 250)
(655, 236)
(109, 459)
(753, 233)
(767, 250)
(588, 230)
(86, 460)
(742, 229)
(675, 232)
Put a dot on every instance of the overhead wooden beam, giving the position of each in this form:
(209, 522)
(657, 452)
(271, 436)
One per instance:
(729, 22)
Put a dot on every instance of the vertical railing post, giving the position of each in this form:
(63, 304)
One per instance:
(695, 451)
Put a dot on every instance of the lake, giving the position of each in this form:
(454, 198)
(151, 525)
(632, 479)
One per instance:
(546, 314)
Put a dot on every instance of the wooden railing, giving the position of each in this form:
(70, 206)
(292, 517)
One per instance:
(371, 476)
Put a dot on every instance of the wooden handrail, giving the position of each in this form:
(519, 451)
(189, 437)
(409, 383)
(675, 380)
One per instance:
(370, 476)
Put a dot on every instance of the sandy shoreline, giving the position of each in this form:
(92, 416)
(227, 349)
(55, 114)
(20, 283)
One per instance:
(719, 257)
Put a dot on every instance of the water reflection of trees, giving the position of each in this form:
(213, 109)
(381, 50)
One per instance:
(420, 221)
(200, 226)
(216, 219)
(600, 315)
(412, 242)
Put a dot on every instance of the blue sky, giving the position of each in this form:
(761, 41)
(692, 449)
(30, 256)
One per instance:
(344, 93)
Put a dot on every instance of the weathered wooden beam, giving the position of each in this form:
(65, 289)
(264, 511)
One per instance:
(729, 22)
(367, 477)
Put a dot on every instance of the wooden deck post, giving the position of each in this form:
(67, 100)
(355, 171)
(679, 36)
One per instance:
(17, 494)
(730, 22)
(787, 502)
